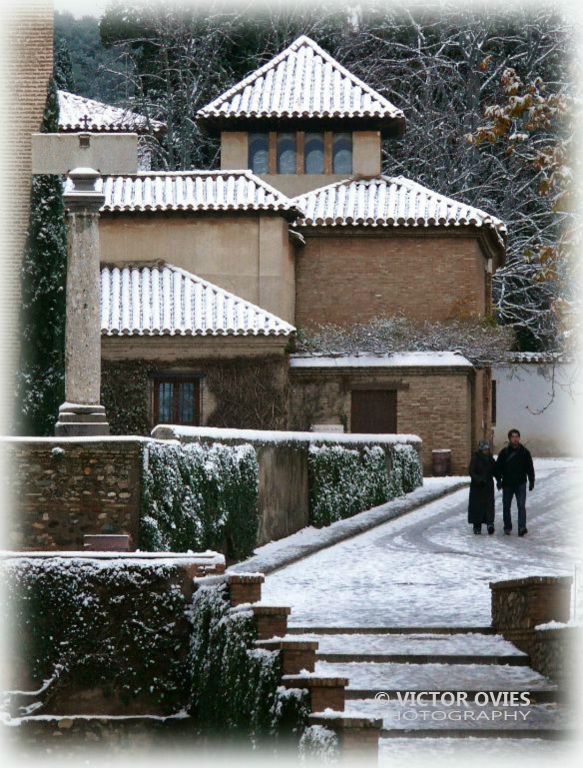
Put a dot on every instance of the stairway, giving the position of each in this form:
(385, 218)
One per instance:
(383, 664)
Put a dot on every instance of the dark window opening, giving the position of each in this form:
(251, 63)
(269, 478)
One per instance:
(314, 153)
(286, 153)
(177, 400)
(342, 153)
(259, 152)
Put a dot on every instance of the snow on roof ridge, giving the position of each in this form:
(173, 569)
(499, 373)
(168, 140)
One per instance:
(245, 318)
(302, 40)
(139, 191)
(119, 117)
(404, 183)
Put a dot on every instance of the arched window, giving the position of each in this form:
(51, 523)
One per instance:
(342, 153)
(314, 153)
(286, 153)
(259, 152)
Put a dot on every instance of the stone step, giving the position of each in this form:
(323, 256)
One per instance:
(467, 719)
(404, 658)
(417, 645)
(382, 676)
(301, 629)
(446, 751)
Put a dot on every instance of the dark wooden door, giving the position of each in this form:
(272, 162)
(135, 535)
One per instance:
(374, 410)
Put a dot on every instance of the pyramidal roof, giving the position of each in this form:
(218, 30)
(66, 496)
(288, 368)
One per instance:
(76, 113)
(303, 81)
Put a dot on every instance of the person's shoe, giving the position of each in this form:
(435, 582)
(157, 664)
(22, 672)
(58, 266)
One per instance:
(508, 531)
(522, 532)
(490, 529)
(477, 529)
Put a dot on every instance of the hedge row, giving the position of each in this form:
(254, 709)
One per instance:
(198, 497)
(345, 481)
(119, 627)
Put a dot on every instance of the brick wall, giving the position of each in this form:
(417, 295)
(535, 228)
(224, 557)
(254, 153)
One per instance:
(354, 276)
(27, 60)
(63, 489)
(435, 404)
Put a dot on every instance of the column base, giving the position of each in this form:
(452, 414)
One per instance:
(77, 420)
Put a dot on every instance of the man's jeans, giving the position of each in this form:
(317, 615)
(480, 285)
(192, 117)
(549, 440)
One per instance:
(507, 493)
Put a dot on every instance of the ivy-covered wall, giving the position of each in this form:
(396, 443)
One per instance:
(199, 496)
(243, 392)
(344, 481)
(114, 628)
(120, 637)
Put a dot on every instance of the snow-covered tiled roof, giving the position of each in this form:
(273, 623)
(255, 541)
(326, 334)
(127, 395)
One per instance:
(163, 300)
(76, 113)
(193, 191)
(388, 202)
(428, 359)
(301, 81)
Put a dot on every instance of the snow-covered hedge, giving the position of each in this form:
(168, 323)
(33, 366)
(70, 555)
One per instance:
(115, 625)
(199, 496)
(345, 481)
(235, 686)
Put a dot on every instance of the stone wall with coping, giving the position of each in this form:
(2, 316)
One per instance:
(521, 606)
(63, 488)
(283, 467)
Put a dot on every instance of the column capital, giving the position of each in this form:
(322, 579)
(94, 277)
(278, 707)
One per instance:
(83, 191)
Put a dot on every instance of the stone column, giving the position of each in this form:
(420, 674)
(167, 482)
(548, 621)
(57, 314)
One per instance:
(81, 413)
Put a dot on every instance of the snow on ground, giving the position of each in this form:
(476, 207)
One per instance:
(422, 644)
(502, 753)
(276, 554)
(427, 568)
(434, 677)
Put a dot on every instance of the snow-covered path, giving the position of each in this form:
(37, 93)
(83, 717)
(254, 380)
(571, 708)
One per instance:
(428, 568)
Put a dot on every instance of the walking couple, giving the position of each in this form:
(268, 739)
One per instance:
(511, 470)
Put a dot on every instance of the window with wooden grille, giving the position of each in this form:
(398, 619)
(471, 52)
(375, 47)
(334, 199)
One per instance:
(177, 399)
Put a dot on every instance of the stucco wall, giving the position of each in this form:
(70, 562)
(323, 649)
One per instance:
(352, 276)
(249, 255)
(435, 404)
(541, 401)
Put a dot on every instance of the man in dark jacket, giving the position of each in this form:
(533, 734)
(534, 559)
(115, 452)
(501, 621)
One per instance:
(514, 466)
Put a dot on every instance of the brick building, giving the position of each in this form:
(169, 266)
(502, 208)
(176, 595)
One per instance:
(207, 275)
(26, 61)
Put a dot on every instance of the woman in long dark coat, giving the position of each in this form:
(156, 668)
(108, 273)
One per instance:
(481, 503)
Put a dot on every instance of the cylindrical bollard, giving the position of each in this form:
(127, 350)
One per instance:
(441, 460)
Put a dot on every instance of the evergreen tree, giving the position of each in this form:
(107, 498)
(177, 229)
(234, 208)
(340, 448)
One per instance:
(41, 377)
(63, 67)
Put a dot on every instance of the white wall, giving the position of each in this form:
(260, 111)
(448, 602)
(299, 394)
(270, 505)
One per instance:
(540, 400)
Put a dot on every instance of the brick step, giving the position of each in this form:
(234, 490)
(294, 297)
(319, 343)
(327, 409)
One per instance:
(408, 658)
(326, 692)
(437, 630)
